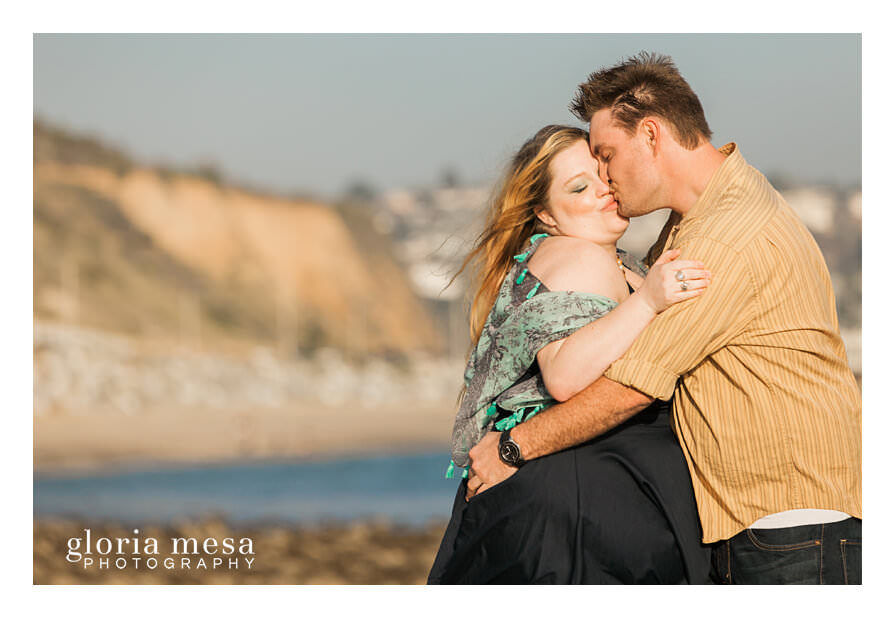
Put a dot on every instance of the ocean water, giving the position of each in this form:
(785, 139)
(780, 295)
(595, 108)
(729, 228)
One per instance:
(405, 489)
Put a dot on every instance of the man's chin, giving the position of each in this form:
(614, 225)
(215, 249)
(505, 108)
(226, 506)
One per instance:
(625, 213)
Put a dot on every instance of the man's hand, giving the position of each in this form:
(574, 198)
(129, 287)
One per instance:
(485, 468)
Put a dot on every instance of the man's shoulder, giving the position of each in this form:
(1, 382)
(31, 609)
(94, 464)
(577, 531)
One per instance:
(741, 213)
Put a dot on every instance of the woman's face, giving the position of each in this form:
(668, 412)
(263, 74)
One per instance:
(579, 203)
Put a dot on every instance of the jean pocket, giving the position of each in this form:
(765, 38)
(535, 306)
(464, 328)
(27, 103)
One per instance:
(769, 540)
(775, 556)
(851, 560)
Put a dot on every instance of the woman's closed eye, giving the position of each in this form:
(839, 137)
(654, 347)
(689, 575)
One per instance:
(579, 188)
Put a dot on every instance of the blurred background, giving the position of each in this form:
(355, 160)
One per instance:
(242, 249)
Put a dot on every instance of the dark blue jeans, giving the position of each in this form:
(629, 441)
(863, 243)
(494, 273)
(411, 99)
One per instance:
(813, 554)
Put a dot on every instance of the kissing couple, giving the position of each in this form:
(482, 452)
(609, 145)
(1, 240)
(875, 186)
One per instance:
(688, 418)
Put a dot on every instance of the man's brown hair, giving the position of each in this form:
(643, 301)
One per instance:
(647, 84)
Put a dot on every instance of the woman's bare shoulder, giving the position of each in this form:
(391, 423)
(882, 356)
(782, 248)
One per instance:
(565, 263)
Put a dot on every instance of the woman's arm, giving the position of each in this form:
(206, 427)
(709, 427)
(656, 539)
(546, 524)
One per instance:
(571, 364)
(634, 279)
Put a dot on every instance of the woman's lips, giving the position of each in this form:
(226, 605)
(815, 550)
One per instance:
(611, 205)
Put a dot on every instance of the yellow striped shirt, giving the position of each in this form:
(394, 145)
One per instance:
(765, 406)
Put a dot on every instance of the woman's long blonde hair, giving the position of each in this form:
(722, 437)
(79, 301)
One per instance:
(512, 218)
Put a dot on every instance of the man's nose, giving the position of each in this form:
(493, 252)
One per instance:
(603, 172)
(603, 187)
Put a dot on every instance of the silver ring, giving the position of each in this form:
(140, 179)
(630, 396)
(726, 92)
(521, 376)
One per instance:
(684, 286)
(679, 275)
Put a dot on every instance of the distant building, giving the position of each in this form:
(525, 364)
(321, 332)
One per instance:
(400, 202)
(854, 204)
(815, 206)
(468, 199)
(437, 230)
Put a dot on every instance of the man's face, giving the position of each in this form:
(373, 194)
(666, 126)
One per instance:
(627, 164)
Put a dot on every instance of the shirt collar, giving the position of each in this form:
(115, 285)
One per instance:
(730, 169)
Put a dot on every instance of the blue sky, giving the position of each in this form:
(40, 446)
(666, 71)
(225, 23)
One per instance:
(313, 113)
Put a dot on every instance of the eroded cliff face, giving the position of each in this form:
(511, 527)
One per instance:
(135, 250)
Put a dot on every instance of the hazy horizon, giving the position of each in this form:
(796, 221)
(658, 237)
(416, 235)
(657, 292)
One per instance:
(312, 114)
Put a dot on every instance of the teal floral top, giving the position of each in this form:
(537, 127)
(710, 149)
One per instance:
(501, 371)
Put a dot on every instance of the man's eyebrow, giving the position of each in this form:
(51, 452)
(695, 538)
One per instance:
(595, 148)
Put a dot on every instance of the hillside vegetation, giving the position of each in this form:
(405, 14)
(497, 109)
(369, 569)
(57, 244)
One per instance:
(162, 254)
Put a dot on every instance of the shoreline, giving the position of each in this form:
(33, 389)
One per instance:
(79, 443)
(75, 469)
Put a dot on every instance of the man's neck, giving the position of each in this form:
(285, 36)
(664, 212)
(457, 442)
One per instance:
(691, 173)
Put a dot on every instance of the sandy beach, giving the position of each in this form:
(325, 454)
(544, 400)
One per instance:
(362, 552)
(85, 441)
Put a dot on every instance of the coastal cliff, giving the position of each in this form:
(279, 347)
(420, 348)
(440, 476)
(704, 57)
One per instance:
(184, 256)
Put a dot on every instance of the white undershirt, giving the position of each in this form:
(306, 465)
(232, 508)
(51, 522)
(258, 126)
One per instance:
(799, 517)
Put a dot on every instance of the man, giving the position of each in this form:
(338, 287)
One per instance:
(765, 407)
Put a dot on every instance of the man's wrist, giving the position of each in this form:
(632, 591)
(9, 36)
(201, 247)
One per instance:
(509, 451)
(521, 438)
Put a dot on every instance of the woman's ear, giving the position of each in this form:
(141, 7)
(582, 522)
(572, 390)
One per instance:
(545, 217)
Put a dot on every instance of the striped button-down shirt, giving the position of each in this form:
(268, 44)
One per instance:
(766, 409)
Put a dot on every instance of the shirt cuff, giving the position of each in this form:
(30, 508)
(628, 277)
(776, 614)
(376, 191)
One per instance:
(646, 377)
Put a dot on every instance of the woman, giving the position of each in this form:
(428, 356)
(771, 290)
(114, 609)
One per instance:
(555, 305)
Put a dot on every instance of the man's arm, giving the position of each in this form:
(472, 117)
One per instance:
(598, 408)
(669, 347)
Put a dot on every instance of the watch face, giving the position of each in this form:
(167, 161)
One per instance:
(509, 452)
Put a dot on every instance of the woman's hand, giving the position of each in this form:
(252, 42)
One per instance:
(671, 280)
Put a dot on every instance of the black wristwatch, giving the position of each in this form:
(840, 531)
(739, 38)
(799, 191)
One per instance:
(509, 451)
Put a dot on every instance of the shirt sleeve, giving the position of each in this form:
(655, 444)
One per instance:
(683, 335)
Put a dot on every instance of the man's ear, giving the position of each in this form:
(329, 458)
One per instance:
(545, 217)
(651, 130)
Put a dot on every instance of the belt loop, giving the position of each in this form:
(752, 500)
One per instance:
(728, 578)
(721, 562)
